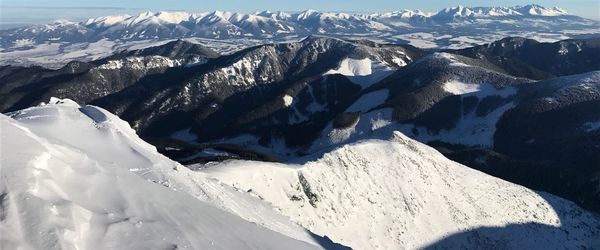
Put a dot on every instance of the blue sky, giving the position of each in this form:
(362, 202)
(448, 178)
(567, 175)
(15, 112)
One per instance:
(19, 12)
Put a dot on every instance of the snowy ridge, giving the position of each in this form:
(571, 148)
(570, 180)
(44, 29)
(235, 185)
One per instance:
(142, 63)
(280, 19)
(402, 194)
(78, 177)
(528, 10)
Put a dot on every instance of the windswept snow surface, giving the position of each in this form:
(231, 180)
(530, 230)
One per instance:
(369, 101)
(287, 100)
(353, 67)
(78, 177)
(478, 90)
(402, 194)
(363, 72)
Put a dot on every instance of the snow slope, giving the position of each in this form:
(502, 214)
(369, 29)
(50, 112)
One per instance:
(470, 129)
(78, 177)
(363, 72)
(402, 194)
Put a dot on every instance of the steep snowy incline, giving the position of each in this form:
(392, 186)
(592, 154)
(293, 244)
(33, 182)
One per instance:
(402, 194)
(77, 177)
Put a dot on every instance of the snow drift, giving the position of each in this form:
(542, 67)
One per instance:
(78, 177)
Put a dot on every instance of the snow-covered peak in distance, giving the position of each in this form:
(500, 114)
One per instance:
(537, 10)
(457, 27)
(404, 14)
(275, 15)
(306, 14)
(161, 17)
(474, 12)
(106, 20)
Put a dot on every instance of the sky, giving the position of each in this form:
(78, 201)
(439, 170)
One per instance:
(22, 12)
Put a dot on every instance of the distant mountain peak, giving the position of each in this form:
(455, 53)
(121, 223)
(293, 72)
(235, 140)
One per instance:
(306, 14)
(527, 10)
(538, 10)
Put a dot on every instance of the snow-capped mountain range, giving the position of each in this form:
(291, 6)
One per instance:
(448, 28)
(529, 10)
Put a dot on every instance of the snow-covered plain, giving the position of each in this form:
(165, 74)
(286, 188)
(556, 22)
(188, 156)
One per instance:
(54, 55)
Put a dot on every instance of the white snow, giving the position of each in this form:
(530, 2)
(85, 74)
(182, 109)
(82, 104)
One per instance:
(479, 90)
(459, 88)
(369, 101)
(56, 54)
(79, 177)
(399, 61)
(141, 63)
(107, 20)
(232, 31)
(339, 135)
(421, 40)
(369, 125)
(287, 100)
(402, 194)
(363, 72)
(536, 10)
(23, 43)
(353, 67)
(451, 58)
(173, 17)
(469, 130)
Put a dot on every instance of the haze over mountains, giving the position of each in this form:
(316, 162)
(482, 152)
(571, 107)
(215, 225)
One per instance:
(306, 130)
